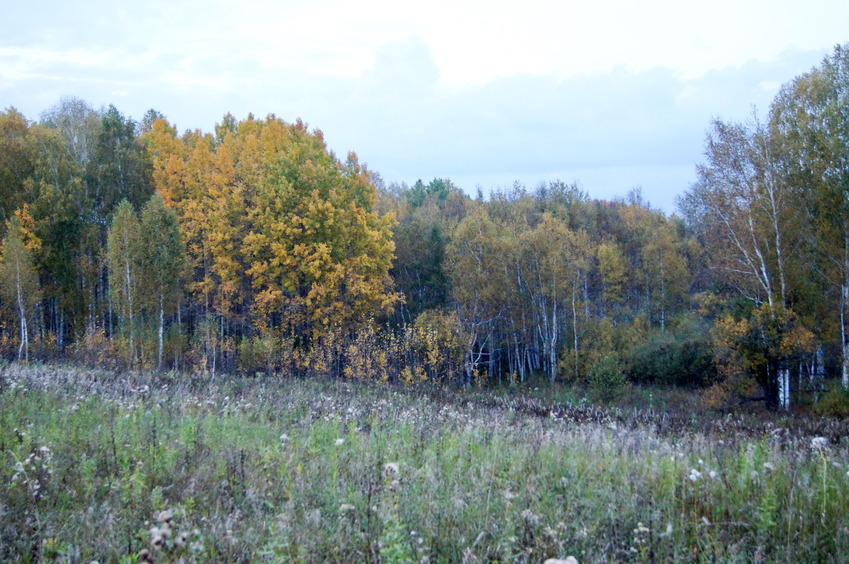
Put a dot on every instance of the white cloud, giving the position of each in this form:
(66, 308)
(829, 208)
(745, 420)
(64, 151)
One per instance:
(463, 89)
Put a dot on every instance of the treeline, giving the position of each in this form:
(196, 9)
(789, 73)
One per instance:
(548, 282)
(255, 249)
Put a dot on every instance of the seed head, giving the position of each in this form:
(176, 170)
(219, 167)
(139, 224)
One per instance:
(819, 443)
(390, 469)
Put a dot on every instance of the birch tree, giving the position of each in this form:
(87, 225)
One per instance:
(554, 259)
(749, 220)
(810, 119)
(162, 261)
(123, 250)
(472, 260)
(19, 282)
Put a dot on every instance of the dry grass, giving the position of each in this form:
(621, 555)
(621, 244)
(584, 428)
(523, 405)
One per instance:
(142, 467)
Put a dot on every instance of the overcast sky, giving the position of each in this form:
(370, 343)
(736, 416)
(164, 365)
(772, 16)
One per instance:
(611, 94)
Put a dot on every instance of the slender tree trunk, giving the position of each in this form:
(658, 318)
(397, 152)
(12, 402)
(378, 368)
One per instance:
(575, 327)
(662, 295)
(784, 387)
(179, 340)
(128, 283)
(843, 337)
(24, 348)
(161, 329)
(552, 346)
(844, 303)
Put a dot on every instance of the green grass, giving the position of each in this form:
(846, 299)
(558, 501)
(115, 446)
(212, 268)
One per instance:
(272, 470)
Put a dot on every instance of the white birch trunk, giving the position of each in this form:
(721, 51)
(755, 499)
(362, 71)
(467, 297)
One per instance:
(575, 326)
(23, 350)
(844, 301)
(784, 388)
(161, 329)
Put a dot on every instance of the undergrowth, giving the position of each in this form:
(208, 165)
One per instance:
(137, 467)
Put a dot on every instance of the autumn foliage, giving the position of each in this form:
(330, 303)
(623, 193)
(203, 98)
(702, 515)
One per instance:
(255, 249)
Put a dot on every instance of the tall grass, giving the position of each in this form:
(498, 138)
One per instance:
(140, 467)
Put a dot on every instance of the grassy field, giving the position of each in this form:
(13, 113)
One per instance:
(142, 467)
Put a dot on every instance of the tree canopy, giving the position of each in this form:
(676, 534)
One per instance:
(254, 248)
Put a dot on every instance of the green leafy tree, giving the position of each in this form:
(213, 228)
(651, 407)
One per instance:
(162, 261)
(19, 281)
(123, 257)
(118, 168)
(16, 161)
(810, 121)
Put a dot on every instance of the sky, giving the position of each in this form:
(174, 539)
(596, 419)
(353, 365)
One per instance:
(612, 95)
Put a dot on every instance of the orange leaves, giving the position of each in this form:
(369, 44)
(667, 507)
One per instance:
(273, 221)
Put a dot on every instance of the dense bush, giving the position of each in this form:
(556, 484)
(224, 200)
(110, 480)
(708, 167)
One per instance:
(835, 402)
(607, 377)
(680, 356)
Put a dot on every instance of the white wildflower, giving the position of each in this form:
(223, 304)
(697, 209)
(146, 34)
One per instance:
(156, 537)
(641, 528)
(340, 442)
(390, 468)
(284, 438)
(769, 466)
(713, 475)
(530, 517)
(695, 475)
(819, 443)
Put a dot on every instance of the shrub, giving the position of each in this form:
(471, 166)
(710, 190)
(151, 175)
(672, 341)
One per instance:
(835, 402)
(682, 356)
(607, 377)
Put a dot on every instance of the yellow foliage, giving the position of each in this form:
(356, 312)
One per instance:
(274, 223)
(440, 341)
(27, 225)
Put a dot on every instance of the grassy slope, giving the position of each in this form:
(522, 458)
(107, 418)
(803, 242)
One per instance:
(270, 470)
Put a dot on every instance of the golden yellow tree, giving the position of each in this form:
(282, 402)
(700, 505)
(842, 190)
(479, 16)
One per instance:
(283, 237)
(319, 253)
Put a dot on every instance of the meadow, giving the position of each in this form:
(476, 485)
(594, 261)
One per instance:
(145, 467)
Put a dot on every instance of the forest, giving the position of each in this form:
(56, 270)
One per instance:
(254, 249)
